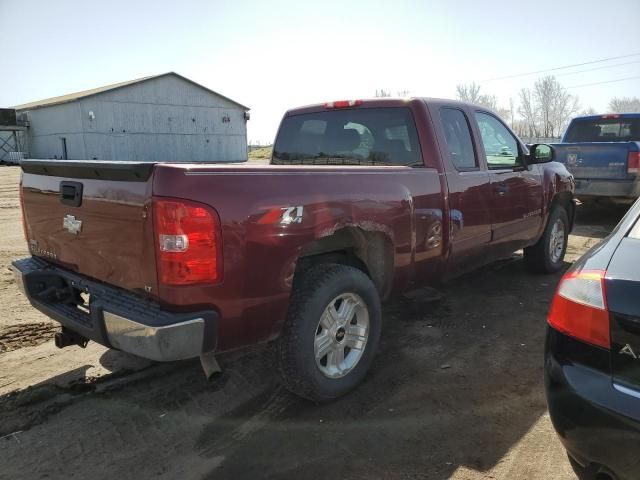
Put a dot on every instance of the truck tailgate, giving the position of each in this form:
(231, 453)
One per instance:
(596, 160)
(92, 218)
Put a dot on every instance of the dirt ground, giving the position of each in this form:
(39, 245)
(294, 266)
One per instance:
(455, 392)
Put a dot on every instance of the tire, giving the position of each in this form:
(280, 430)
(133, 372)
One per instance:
(310, 331)
(547, 256)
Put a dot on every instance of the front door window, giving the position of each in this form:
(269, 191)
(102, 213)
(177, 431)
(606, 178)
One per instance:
(500, 146)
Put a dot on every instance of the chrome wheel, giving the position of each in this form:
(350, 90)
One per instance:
(341, 335)
(556, 241)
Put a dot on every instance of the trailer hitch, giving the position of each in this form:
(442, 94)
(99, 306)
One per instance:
(66, 338)
(54, 293)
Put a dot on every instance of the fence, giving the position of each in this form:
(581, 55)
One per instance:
(540, 139)
(13, 144)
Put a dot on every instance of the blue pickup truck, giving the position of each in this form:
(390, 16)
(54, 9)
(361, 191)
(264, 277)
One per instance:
(603, 154)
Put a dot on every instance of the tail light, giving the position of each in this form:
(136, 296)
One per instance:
(188, 242)
(343, 104)
(633, 162)
(579, 308)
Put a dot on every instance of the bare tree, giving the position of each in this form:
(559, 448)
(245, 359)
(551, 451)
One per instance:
(528, 112)
(490, 101)
(564, 107)
(625, 105)
(382, 93)
(471, 93)
(468, 92)
(548, 107)
(542, 111)
(544, 92)
(521, 128)
(512, 113)
(589, 111)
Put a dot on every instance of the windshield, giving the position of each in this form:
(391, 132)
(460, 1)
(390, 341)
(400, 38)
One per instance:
(604, 130)
(368, 136)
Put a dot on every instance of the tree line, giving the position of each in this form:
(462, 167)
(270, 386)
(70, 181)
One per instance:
(541, 111)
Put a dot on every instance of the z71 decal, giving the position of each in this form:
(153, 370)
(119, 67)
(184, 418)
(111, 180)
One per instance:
(292, 215)
(283, 215)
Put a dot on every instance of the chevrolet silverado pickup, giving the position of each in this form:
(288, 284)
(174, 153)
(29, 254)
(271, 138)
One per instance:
(603, 153)
(361, 199)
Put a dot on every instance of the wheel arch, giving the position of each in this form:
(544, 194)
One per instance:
(369, 251)
(565, 200)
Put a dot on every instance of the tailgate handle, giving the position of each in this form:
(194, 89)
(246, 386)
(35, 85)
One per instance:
(71, 193)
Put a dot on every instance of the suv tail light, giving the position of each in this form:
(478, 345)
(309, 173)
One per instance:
(188, 242)
(633, 162)
(579, 308)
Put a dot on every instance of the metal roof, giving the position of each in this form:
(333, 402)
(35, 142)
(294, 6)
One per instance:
(71, 97)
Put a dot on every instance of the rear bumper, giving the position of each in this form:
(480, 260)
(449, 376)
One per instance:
(116, 318)
(598, 424)
(624, 189)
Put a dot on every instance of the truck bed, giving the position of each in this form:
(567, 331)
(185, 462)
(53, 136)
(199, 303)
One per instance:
(116, 245)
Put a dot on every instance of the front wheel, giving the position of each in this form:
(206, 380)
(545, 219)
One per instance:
(547, 255)
(331, 333)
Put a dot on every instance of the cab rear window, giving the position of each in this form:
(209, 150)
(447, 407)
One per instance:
(604, 130)
(367, 136)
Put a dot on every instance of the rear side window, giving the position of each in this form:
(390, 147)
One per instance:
(367, 136)
(458, 138)
(604, 130)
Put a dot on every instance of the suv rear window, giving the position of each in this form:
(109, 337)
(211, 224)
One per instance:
(367, 136)
(604, 130)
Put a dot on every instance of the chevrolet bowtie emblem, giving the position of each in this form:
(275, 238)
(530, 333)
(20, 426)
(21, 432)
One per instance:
(72, 225)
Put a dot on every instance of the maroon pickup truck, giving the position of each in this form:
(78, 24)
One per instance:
(362, 198)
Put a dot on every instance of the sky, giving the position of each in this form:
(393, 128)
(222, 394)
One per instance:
(278, 54)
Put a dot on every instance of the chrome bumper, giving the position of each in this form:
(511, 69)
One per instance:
(120, 320)
(172, 342)
(629, 189)
(19, 279)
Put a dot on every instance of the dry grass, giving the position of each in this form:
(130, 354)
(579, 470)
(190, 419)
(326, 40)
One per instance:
(260, 153)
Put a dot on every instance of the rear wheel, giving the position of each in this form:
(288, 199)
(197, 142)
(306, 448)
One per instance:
(547, 255)
(331, 333)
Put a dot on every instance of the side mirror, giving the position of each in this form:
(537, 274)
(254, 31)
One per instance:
(540, 153)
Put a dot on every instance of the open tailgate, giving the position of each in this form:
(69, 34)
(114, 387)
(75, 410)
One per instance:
(93, 218)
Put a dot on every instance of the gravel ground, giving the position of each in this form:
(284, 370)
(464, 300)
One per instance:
(455, 392)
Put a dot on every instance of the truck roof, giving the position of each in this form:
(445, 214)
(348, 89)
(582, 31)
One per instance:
(378, 102)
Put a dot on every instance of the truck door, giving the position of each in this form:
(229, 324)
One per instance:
(516, 192)
(469, 191)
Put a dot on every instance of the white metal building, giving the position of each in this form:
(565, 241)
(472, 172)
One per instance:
(160, 118)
